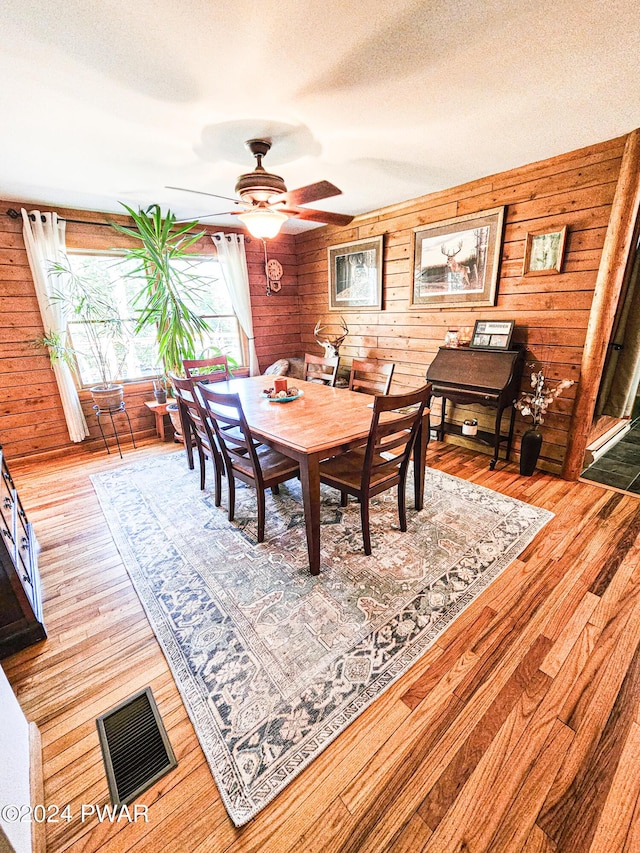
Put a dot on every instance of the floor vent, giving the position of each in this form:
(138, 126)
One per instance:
(135, 747)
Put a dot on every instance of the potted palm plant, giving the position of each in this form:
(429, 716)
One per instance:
(167, 297)
(102, 340)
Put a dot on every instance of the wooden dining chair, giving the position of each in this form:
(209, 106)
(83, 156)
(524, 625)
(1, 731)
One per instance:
(317, 368)
(197, 427)
(244, 458)
(370, 377)
(214, 369)
(365, 471)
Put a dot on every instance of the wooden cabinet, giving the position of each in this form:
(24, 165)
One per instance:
(21, 621)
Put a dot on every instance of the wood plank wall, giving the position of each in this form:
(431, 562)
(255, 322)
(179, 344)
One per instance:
(31, 416)
(551, 312)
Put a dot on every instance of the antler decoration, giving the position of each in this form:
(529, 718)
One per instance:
(330, 343)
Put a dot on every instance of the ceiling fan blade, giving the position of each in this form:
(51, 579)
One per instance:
(319, 215)
(207, 215)
(212, 195)
(303, 195)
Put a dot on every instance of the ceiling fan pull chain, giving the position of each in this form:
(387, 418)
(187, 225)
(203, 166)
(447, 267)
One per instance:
(266, 271)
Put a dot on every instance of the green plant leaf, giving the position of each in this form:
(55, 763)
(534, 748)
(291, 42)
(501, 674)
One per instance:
(164, 300)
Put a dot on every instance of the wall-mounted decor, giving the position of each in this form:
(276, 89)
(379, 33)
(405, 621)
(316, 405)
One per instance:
(273, 272)
(544, 251)
(492, 334)
(355, 275)
(456, 262)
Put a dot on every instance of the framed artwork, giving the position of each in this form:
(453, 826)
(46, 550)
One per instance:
(456, 262)
(355, 275)
(492, 334)
(544, 251)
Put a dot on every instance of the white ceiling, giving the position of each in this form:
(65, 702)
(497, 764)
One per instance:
(110, 101)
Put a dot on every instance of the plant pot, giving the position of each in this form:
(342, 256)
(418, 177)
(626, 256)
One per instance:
(174, 414)
(107, 398)
(530, 445)
(161, 396)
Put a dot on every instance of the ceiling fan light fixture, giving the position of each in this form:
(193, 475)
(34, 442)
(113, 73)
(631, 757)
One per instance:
(263, 222)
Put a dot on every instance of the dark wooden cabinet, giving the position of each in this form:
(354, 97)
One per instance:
(21, 621)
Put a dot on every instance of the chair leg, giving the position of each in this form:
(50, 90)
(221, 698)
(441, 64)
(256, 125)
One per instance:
(275, 490)
(366, 534)
(344, 499)
(232, 495)
(261, 513)
(402, 506)
(203, 467)
(217, 466)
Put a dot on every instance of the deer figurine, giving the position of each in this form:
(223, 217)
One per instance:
(330, 343)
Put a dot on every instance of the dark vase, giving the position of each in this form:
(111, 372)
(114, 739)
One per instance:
(530, 450)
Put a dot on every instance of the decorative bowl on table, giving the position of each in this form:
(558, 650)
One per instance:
(282, 396)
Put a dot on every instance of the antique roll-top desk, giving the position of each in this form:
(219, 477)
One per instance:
(486, 377)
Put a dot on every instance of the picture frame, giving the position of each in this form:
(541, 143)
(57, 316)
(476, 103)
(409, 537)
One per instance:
(492, 334)
(355, 275)
(456, 262)
(544, 251)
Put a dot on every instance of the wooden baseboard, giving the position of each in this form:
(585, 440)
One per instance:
(36, 785)
(606, 440)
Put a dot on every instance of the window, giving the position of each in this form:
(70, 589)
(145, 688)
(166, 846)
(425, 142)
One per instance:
(111, 274)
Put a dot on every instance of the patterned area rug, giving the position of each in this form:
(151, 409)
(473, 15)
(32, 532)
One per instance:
(273, 663)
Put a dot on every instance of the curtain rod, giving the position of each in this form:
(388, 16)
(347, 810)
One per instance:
(12, 213)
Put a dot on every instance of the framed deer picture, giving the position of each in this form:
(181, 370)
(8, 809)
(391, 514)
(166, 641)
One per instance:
(456, 262)
(355, 275)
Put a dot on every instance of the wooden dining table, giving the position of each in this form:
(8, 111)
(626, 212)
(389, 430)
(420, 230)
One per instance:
(321, 423)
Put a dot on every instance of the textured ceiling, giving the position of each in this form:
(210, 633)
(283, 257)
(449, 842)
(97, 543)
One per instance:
(108, 102)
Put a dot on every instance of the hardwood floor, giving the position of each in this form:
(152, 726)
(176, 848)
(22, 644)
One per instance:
(518, 731)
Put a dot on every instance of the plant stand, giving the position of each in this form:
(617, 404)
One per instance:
(159, 410)
(119, 410)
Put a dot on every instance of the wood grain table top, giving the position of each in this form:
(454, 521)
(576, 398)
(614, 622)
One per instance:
(321, 418)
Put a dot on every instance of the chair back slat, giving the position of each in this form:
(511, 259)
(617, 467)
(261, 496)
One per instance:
(215, 369)
(396, 435)
(317, 368)
(225, 413)
(370, 377)
(192, 411)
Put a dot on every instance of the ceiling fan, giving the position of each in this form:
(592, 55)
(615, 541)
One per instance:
(267, 202)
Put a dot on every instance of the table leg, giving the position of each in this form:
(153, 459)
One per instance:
(419, 453)
(310, 480)
(159, 424)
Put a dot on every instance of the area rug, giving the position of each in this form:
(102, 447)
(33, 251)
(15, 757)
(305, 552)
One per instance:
(271, 662)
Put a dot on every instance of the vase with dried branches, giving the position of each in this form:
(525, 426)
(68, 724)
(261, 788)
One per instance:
(534, 404)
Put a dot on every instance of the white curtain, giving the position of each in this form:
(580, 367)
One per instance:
(233, 261)
(44, 238)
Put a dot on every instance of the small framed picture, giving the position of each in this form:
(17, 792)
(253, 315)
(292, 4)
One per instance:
(544, 252)
(492, 334)
(355, 275)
